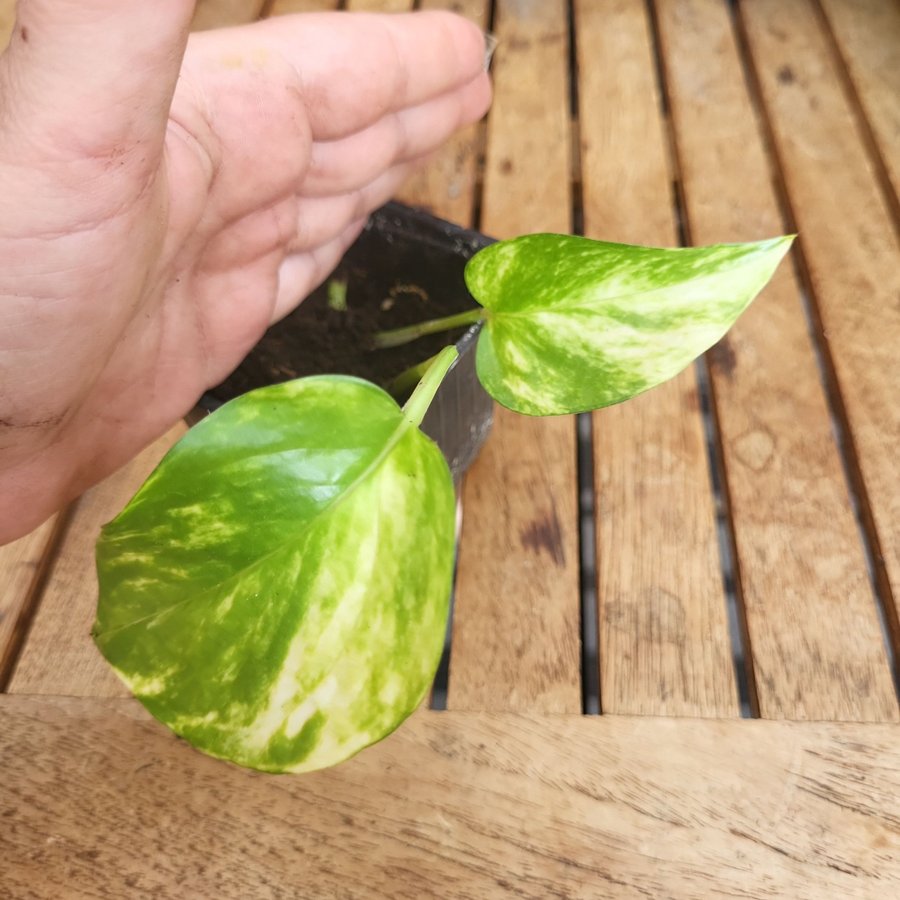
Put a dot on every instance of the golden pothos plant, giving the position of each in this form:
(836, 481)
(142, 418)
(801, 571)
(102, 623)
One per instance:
(277, 591)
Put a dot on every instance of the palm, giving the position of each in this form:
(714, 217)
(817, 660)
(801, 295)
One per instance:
(167, 244)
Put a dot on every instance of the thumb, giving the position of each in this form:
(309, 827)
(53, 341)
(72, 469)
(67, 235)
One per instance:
(93, 78)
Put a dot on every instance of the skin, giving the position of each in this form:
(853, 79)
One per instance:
(165, 199)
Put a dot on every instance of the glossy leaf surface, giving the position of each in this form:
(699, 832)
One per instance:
(574, 324)
(277, 590)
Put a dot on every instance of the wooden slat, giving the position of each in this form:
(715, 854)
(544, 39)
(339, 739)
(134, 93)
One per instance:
(867, 33)
(21, 565)
(664, 642)
(7, 21)
(99, 799)
(282, 7)
(380, 5)
(515, 636)
(446, 185)
(59, 656)
(849, 245)
(816, 641)
(219, 13)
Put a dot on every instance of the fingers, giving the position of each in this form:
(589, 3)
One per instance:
(348, 163)
(320, 219)
(94, 78)
(301, 273)
(297, 225)
(355, 68)
(373, 90)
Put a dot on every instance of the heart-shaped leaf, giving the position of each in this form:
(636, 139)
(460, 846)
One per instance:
(277, 591)
(574, 324)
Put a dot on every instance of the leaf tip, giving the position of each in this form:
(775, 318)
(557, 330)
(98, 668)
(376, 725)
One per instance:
(782, 243)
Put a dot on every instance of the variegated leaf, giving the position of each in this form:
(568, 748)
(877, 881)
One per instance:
(277, 591)
(574, 324)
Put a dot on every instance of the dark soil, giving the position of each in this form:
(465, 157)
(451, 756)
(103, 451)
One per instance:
(392, 279)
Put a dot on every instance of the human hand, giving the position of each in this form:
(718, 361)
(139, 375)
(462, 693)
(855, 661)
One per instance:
(153, 224)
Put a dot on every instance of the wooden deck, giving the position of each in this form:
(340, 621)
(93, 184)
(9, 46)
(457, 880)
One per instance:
(714, 567)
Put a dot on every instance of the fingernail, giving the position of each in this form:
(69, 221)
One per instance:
(490, 45)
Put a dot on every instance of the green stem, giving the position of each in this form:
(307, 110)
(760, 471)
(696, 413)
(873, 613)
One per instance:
(402, 385)
(437, 367)
(398, 336)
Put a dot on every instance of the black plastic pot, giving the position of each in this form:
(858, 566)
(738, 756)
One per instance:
(402, 252)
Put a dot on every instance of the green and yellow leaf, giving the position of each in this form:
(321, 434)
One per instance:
(573, 324)
(277, 591)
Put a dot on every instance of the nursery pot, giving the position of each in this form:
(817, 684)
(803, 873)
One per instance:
(406, 267)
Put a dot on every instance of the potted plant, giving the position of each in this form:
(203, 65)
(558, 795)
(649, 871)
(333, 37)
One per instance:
(277, 590)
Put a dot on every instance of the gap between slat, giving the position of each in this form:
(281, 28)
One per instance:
(587, 547)
(590, 624)
(856, 488)
(738, 630)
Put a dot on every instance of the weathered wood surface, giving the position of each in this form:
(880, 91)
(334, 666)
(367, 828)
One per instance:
(814, 631)
(664, 642)
(867, 35)
(849, 245)
(98, 800)
(7, 20)
(23, 565)
(216, 13)
(388, 6)
(281, 7)
(516, 641)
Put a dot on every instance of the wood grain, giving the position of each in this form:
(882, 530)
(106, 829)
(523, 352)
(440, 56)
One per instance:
(387, 6)
(219, 13)
(100, 801)
(849, 247)
(816, 641)
(7, 21)
(22, 564)
(59, 656)
(867, 33)
(664, 642)
(516, 641)
(446, 185)
(282, 7)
